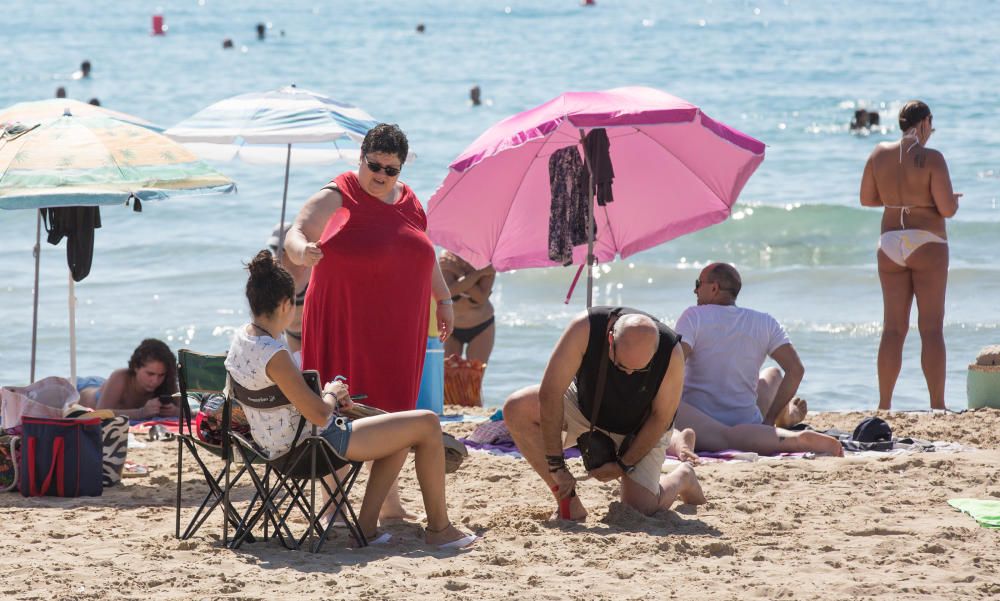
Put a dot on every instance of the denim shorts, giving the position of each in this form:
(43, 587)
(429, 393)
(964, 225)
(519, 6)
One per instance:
(338, 434)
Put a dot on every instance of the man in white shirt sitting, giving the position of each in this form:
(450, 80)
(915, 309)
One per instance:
(727, 400)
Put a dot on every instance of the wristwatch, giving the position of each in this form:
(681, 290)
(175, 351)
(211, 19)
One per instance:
(627, 469)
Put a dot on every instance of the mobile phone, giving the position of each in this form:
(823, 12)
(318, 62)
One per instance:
(166, 399)
(359, 397)
(311, 376)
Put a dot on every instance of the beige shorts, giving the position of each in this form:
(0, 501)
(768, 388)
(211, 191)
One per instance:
(647, 471)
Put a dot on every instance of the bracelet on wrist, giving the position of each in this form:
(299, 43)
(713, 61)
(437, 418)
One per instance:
(446, 301)
(556, 463)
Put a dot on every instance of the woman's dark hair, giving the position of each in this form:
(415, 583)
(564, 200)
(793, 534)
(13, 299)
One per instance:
(912, 113)
(387, 138)
(152, 349)
(268, 285)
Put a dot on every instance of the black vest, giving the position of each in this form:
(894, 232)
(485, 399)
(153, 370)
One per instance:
(627, 398)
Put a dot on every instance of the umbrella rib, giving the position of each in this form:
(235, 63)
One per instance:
(611, 232)
(517, 190)
(689, 170)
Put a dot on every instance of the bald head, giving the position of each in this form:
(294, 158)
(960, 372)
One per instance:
(723, 285)
(727, 277)
(636, 338)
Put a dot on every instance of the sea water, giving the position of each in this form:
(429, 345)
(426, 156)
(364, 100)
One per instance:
(789, 73)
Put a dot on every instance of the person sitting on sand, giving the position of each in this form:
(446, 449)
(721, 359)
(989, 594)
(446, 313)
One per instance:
(728, 401)
(259, 359)
(643, 375)
(142, 390)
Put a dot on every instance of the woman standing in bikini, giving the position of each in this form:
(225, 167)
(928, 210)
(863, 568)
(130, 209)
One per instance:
(912, 183)
(474, 322)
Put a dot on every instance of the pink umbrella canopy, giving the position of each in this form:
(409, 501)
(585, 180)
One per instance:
(676, 171)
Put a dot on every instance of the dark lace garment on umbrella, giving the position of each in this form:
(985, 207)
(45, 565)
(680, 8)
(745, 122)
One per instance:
(568, 211)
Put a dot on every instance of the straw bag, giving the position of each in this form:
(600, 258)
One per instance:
(463, 381)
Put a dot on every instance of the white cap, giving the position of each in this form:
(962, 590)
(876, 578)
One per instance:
(272, 242)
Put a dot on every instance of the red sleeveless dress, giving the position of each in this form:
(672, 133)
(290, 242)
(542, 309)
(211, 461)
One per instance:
(368, 303)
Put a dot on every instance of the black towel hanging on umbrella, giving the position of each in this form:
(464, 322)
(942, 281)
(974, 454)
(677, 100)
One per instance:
(77, 225)
(598, 150)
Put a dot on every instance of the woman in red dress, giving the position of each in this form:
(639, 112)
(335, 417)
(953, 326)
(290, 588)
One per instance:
(368, 301)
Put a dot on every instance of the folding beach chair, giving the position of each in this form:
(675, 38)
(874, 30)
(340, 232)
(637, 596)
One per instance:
(206, 374)
(287, 488)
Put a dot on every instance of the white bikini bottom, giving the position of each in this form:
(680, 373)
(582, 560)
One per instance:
(898, 245)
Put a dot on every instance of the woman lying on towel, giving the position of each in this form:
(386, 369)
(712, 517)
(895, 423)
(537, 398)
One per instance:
(259, 358)
(143, 390)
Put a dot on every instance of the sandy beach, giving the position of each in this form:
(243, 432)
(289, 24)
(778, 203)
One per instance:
(854, 528)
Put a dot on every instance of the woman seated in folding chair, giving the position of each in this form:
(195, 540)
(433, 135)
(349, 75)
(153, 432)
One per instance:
(258, 359)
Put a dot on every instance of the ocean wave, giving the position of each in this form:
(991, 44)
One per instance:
(768, 236)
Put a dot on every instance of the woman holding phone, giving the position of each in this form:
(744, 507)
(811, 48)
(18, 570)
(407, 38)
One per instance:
(259, 358)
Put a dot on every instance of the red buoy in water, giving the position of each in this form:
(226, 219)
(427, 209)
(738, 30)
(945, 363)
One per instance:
(159, 28)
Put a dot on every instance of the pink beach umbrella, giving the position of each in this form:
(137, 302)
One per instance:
(676, 171)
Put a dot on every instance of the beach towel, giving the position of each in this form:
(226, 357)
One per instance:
(598, 150)
(734, 455)
(77, 225)
(509, 449)
(143, 425)
(986, 512)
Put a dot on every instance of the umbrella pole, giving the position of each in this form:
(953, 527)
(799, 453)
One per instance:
(284, 201)
(37, 252)
(590, 222)
(72, 328)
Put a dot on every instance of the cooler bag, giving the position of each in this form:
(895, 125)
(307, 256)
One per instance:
(61, 457)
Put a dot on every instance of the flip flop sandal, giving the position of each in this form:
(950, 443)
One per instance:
(132, 469)
(462, 543)
(159, 432)
(381, 539)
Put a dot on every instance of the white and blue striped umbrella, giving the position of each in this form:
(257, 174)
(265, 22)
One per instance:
(259, 128)
(276, 127)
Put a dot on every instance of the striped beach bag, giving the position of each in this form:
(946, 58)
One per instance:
(114, 432)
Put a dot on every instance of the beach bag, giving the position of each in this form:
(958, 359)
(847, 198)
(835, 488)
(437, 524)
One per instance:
(455, 453)
(463, 381)
(48, 397)
(114, 447)
(61, 457)
(9, 458)
(208, 421)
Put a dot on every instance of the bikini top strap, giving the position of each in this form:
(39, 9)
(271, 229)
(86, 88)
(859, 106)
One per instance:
(903, 210)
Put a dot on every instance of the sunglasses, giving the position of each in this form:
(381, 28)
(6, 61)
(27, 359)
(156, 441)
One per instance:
(621, 367)
(698, 283)
(378, 168)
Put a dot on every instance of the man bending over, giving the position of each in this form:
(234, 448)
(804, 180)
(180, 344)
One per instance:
(644, 375)
(728, 401)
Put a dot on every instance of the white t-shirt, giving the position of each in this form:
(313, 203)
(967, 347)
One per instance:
(729, 345)
(272, 429)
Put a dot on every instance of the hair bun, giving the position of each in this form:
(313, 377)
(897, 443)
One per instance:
(262, 264)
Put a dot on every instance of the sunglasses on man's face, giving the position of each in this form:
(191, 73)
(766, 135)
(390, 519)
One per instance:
(698, 283)
(378, 168)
